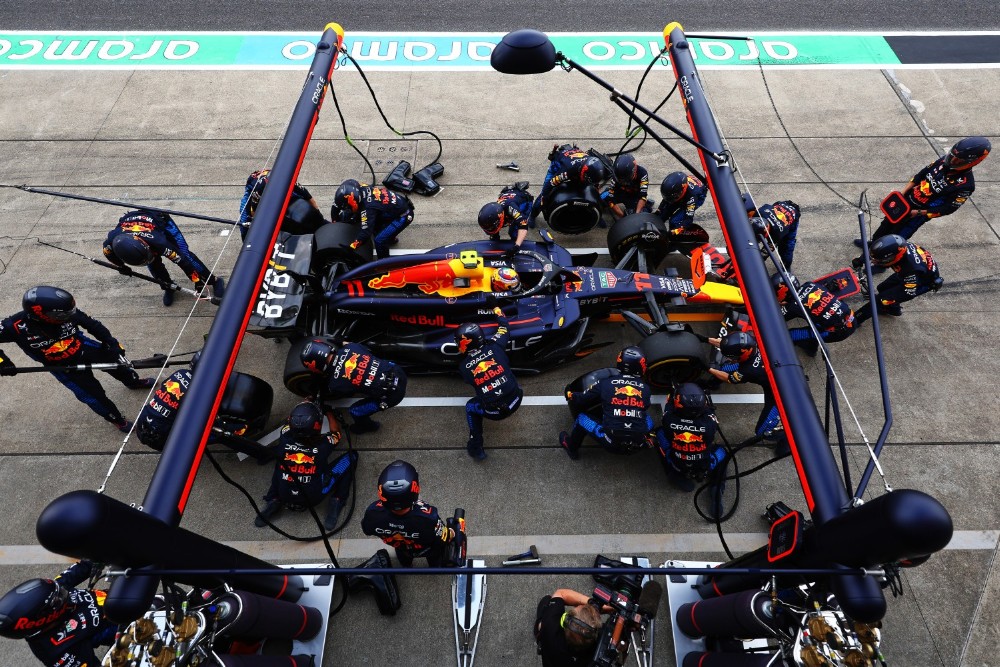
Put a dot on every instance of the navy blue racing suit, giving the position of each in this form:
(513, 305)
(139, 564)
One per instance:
(679, 215)
(383, 214)
(782, 222)
(752, 370)
(157, 417)
(498, 394)
(253, 190)
(63, 344)
(516, 210)
(914, 274)
(934, 191)
(834, 319)
(686, 443)
(160, 232)
(304, 474)
(355, 370)
(419, 533)
(625, 425)
(72, 641)
(628, 194)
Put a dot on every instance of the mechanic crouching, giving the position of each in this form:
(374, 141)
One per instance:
(624, 399)
(486, 367)
(687, 435)
(381, 213)
(352, 369)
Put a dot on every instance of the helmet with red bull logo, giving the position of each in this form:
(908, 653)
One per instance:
(399, 486)
(469, 335)
(631, 361)
(132, 250)
(317, 355)
(52, 305)
(674, 187)
(593, 171)
(348, 196)
(781, 287)
(738, 346)
(967, 153)
(887, 250)
(306, 419)
(626, 168)
(33, 607)
(491, 218)
(689, 399)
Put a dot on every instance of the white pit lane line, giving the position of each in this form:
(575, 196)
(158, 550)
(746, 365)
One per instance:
(673, 544)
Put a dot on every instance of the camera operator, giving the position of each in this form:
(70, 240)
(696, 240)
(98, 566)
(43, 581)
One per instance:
(566, 629)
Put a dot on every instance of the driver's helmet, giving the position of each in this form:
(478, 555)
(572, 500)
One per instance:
(689, 399)
(348, 196)
(34, 606)
(306, 420)
(593, 171)
(887, 250)
(399, 486)
(51, 305)
(967, 153)
(674, 187)
(780, 288)
(491, 218)
(626, 168)
(505, 280)
(132, 250)
(317, 356)
(469, 335)
(631, 361)
(738, 346)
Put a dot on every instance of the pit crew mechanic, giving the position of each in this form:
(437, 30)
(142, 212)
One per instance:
(254, 188)
(682, 195)
(48, 330)
(686, 437)
(568, 164)
(510, 210)
(303, 473)
(381, 213)
(629, 191)
(486, 367)
(144, 238)
(352, 369)
(914, 273)
(403, 521)
(62, 624)
(834, 319)
(624, 400)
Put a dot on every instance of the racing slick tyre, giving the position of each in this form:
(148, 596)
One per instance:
(673, 357)
(332, 243)
(645, 231)
(584, 381)
(572, 210)
(247, 400)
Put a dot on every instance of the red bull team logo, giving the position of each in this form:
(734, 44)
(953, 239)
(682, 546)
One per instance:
(173, 388)
(136, 226)
(812, 298)
(299, 458)
(688, 442)
(62, 349)
(629, 396)
(350, 365)
(484, 366)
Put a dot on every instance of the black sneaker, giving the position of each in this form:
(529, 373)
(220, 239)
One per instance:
(124, 425)
(333, 513)
(858, 243)
(266, 512)
(475, 449)
(573, 452)
(219, 288)
(168, 297)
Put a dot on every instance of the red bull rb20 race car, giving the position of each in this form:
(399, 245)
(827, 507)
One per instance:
(406, 308)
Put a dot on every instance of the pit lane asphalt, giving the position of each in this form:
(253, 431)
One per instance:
(175, 139)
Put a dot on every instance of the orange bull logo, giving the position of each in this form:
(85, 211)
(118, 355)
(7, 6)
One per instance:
(688, 442)
(62, 349)
(632, 397)
(173, 388)
(628, 390)
(813, 297)
(300, 458)
(350, 365)
(136, 227)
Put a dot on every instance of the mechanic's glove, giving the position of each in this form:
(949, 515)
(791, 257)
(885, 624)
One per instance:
(355, 244)
(936, 285)
(113, 345)
(7, 367)
(569, 396)
(759, 226)
(498, 311)
(858, 263)
(511, 253)
(124, 269)
(199, 286)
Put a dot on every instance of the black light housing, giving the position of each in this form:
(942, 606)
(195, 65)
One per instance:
(524, 52)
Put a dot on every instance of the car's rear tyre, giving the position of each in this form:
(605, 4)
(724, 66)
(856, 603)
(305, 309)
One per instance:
(673, 357)
(247, 400)
(332, 243)
(572, 210)
(645, 231)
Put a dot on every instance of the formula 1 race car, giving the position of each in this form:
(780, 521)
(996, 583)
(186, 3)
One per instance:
(407, 308)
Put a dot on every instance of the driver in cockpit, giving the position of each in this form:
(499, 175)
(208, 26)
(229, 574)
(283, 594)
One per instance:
(505, 280)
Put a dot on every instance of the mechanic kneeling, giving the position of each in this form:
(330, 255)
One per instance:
(352, 369)
(687, 435)
(625, 399)
(403, 521)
